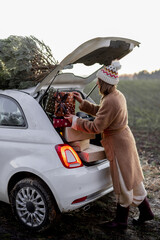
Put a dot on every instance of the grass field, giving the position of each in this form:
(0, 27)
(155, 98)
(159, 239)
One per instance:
(143, 100)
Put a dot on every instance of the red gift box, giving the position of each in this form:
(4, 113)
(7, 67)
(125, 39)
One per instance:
(61, 122)
(64, 103)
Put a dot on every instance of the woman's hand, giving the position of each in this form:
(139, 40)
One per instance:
(77, 96)
(69, 117)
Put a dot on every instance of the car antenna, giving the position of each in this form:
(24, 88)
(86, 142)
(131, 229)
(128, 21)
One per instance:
(91, 91)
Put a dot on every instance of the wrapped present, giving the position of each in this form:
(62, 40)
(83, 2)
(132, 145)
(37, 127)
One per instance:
(93, 153)
(61, 122)
(64, 104)
(50, 101)
(79, 146)
(72, 135)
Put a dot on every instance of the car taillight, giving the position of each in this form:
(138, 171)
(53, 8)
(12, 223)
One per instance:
(79, 200)
(68, 156)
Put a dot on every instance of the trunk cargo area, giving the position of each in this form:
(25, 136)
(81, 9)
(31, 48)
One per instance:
(86, 145)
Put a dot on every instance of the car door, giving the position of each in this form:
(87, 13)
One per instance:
(12, 119)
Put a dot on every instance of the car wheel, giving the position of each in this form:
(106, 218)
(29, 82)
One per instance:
(32, 204)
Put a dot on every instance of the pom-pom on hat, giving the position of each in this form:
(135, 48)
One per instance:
(109, 74)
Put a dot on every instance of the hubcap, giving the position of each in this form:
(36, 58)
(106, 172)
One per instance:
(30, 206)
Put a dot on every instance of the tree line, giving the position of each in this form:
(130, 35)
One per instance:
(142, 75)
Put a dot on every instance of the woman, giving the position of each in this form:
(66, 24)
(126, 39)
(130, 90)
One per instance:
(111, 119)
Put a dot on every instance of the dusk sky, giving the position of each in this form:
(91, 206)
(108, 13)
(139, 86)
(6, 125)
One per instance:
(65, 24)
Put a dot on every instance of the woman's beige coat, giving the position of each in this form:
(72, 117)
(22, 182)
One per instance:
(111, 119)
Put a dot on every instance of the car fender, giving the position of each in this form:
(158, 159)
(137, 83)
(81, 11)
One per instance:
(24, 164)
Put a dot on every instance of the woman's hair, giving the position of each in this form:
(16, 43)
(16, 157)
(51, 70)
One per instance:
(105, 88)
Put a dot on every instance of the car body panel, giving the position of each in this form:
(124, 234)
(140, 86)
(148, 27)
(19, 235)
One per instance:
(79, 182)
(19, 146)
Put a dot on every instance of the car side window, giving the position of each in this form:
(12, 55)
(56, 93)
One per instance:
(10, 113)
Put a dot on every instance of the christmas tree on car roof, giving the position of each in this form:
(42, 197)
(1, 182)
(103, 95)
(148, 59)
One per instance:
(24, 62)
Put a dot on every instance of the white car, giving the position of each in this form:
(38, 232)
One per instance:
(40, 174)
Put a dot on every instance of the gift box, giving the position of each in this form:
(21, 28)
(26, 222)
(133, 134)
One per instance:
(72, 135)
(61, 122)
(64, 103)
(79, 146)
(93, 153)
(50, 101)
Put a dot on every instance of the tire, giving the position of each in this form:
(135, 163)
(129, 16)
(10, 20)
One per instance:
(32, 204)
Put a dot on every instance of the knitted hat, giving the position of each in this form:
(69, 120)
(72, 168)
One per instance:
(109, 74)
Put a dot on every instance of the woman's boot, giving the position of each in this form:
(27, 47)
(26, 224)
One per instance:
(121, 220)
(145, 213)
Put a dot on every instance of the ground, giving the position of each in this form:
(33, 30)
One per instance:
(83, 225)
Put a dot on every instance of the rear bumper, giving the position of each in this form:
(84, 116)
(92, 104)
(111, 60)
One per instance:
(86, 183)
(92, 197)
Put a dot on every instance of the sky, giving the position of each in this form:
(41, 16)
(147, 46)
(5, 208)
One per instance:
(65, 24)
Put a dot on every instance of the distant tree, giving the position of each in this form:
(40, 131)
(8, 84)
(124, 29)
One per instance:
(24, 62)
(156, 74)
(126, 77)
(142, 75)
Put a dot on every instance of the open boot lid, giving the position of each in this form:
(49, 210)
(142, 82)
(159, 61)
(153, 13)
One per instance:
(98, 50)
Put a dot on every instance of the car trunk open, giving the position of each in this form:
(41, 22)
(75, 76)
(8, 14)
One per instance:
(99, 50)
